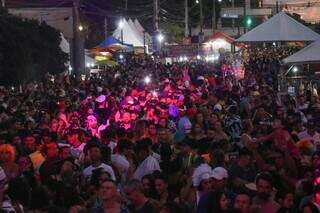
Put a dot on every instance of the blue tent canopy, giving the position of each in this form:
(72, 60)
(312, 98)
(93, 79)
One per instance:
(110, 41)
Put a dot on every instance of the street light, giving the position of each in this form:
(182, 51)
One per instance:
(147, 80)
(248, 22)
(160, 38)
(90, 65)
(295, 69)
(69, 69)
(121, 24)
(155, 94)
(80, 27)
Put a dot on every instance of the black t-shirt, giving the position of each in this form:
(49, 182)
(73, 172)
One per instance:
(247, 174)
(148, 207)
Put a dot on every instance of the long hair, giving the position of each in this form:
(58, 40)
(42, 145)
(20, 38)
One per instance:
(213, 204)
(7, 148)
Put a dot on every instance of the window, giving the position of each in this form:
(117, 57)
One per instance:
(226, 22)
(256, 4)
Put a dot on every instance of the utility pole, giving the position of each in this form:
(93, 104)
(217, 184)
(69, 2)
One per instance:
(105, 27)
(78, 46)
(186, 18)
(213, 15)
(156, 15)
(144, 42)
(232, 6)
(244, 15)
(155, 25)
(126, 5)
(126, 8)
(201, 16)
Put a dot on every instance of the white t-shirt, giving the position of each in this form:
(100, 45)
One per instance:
(156, 156)
(148, 166)
(305, 135)
(87, 172)
(76, 152)
(121, 163)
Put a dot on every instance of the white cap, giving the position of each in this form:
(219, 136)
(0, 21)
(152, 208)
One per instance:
(201, 173)
(201, 78)
(63, 145)
(91, 117)
(217, 107)
(99, 89)
(219, 173)
(101, 99)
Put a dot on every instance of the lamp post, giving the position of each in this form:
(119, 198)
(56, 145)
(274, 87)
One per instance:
(80, 27)
(201, 17)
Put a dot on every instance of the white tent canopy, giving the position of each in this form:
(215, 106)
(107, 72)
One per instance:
(142, 30)
(309, 54)
(130, 35)
(64, 44)
(280, 27)
(134, 28)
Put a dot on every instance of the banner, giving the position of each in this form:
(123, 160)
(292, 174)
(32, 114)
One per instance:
(176, 51)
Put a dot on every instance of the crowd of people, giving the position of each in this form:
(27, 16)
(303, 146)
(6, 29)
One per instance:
(148, 137)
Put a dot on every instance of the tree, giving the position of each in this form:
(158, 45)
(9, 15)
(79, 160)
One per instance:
(174, 32)
(28, 50)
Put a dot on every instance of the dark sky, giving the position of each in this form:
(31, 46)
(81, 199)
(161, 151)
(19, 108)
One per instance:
(171, 10)
(95, 11)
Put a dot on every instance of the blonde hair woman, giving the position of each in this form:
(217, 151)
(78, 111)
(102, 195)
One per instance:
(7, 161)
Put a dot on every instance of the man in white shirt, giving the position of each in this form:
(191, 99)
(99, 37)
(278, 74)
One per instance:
(310, 134)
(148, 164)
(124, 148)
(96, 163)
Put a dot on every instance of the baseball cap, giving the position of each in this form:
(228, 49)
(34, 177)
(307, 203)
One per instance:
(63, 145)
(219, 173)
(182, 108)
(101, 99)
(201, 78)
(217, 108)
(201, 173)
